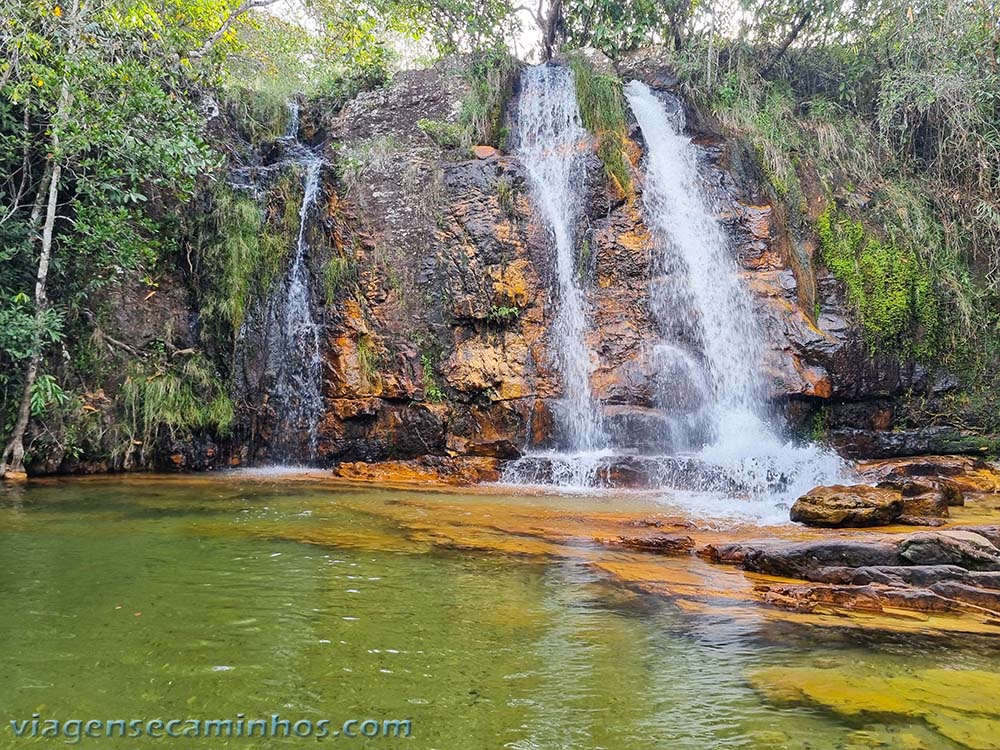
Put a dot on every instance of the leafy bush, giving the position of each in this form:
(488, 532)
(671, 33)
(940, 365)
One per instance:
(173, 399)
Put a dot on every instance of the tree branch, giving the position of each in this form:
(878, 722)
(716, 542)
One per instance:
(241, 9)
(792, 34)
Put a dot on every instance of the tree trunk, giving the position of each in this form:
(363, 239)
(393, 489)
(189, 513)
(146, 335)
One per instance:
(13, 454)
(12, 459)
(550, 29)
(791, 37)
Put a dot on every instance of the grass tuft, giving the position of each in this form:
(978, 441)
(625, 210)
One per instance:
(602, 109)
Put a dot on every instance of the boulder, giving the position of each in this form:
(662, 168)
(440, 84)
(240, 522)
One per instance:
(966, 549)
(841, 506)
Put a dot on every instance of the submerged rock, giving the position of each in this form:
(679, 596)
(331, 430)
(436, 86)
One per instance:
(660, 543)
(960, 704)
(459, 470)
(850, 506)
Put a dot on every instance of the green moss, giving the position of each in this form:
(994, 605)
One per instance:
(602, 110)
(444, 134)
(506, 196)
(892, 290)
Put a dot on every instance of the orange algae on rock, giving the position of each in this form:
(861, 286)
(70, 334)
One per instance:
(962, 705)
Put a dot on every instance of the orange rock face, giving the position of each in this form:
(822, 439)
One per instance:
(440, 342)
(456, 471)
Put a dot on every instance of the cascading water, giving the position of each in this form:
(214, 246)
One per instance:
(708, 298)
(704, 293)
(294, 343)
(549, 135)
(720, 455)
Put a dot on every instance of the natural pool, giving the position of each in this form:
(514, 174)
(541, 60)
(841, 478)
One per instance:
(212, 596)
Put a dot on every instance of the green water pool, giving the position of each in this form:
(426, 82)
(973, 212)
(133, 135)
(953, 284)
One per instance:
(130, 599)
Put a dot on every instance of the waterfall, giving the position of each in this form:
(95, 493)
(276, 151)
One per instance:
(696, 290)
(549, 136)
(719, 452)
(706, 295)
(294, 344)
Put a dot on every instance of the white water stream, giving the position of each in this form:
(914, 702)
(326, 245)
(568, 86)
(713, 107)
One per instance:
(722, 454)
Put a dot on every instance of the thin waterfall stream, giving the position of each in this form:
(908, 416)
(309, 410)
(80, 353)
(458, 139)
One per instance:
(549, 134)
(294, 347)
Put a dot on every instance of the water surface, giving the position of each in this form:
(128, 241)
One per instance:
(208, 597)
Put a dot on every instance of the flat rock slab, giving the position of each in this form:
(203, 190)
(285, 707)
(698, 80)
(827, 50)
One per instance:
(954, 571)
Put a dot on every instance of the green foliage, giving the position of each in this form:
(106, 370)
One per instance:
(504, 314)
(242, 254)
(368, 360)
(892, 290)
(174, 399)
(432, 391)
(47, 393)
(820, 428)
(615, 27)
(21, 331)
(444, 134)
(602, 109)
(339, 273)
(261, 115)
(491, 80)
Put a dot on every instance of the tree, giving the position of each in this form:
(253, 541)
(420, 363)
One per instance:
(105, 127)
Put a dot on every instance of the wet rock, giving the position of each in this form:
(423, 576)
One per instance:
(953, 474)
(848, 506)
(493, 430)
(869, 444)
(441, 469)
(934, 494)
(889, 575)
(799, 560)
(947, 571)
(200, 453)
(663, 544)
(626, 472)
(966, 549)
